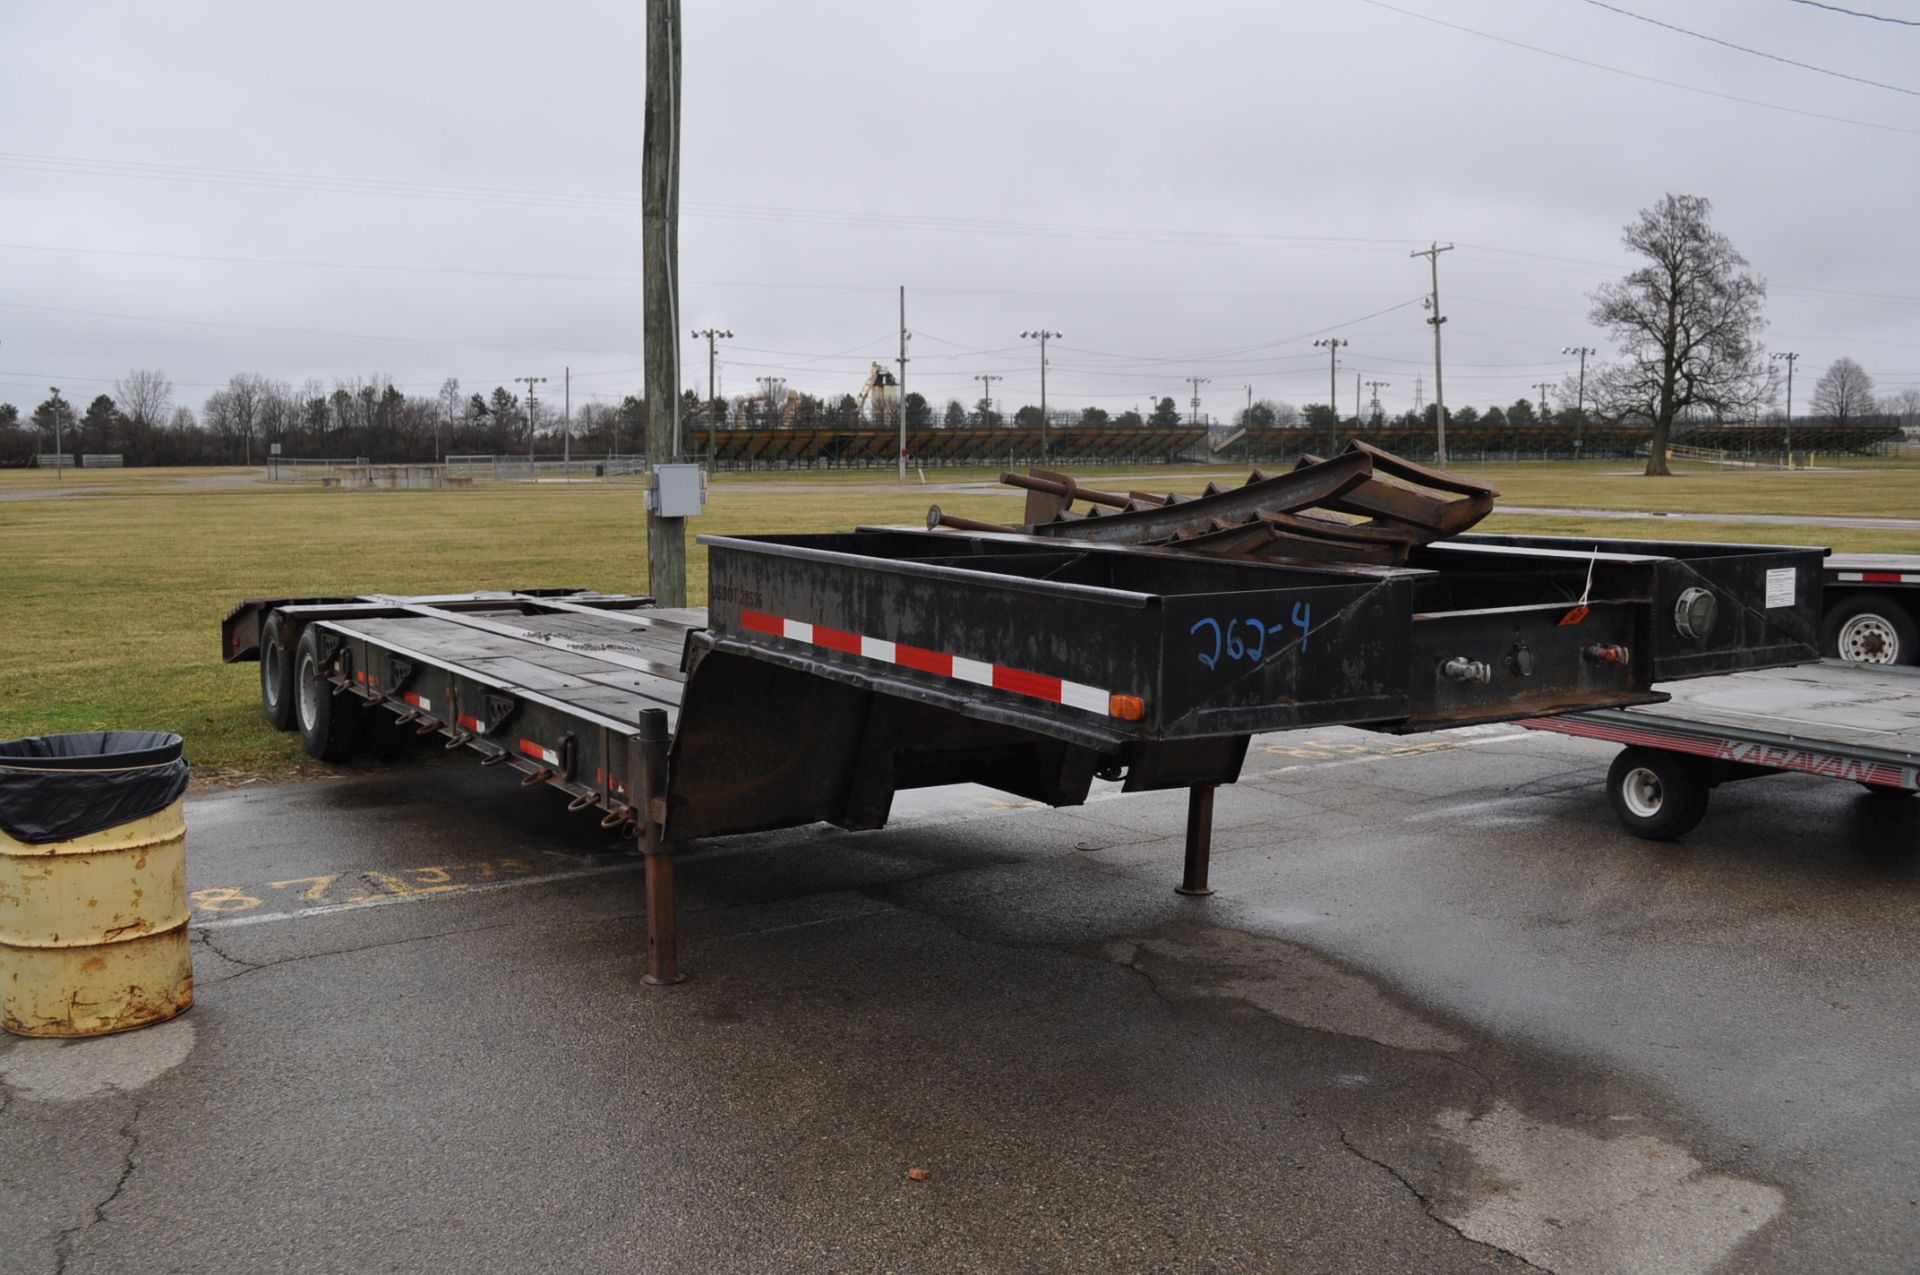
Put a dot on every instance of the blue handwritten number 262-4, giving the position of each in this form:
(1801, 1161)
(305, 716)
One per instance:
(1246, 639)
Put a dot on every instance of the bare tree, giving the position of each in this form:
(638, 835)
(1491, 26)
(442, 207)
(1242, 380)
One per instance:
(450, 405)
(1905, 404)
(244, 392)
(145, 395)
(1687, 323)
(1844, 391)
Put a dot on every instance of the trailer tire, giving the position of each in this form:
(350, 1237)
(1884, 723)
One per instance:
(1870, 628)
(1657, 795)
(328, 719)
(276, 676)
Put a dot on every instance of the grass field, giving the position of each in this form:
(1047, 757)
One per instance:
(110, 604)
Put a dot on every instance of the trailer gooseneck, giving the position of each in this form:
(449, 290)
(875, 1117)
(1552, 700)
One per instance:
(831, 671)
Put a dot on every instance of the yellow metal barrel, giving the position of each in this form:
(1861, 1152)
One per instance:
(93, 927)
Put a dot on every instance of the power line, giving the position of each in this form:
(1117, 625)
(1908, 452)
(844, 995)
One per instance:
(351, 336)
(1855, 13)
(1206, 355)
(1741, 48)
(1636, 75)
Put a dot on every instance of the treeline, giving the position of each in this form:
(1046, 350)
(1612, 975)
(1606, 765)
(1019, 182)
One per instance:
(372, 417)
(237, 423)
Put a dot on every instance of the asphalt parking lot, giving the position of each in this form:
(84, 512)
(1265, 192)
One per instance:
(1440, 1015)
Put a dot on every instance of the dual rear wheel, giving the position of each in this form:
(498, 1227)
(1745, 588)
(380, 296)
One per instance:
(333, 724)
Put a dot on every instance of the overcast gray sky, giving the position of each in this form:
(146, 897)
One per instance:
(425, 188)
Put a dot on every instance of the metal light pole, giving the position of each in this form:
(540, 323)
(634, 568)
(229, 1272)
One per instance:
(1790, 357)
(1542, 387)
(1333, 344)
(711, 335)
(1579, 394)
(59, 456)
(1432, 254)
(1376, 387)
(1042, 336)
(987, 379)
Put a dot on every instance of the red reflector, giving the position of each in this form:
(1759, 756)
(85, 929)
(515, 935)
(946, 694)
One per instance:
(1574, 616)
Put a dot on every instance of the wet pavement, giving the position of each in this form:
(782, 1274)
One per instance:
(1441, 1015)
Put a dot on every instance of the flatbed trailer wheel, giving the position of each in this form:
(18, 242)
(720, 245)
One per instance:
(1871, 628)
(276, 676)
(328, 720)
(1657, 795)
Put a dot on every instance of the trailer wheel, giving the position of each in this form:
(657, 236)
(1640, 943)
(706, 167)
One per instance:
(1657, 795)
(276, 676)
(328, 720)
(1871, 628)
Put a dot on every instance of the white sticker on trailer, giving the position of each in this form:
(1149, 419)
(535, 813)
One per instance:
(1780, 587)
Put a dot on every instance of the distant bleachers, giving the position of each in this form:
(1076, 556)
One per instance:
(868, 446)
(1557, 442)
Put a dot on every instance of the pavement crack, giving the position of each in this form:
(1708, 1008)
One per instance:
(252, 966)
(1426, 1202)
(1160, 993)
(130, 1131)
(207, 940)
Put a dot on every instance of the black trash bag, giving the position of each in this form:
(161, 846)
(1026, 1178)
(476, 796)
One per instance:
(58, 787)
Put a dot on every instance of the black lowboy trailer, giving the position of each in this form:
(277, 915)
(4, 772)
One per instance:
(830, 671)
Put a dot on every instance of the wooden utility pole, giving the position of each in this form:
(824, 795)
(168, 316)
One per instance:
(660, 257)
(1432, 254)
(905, 336)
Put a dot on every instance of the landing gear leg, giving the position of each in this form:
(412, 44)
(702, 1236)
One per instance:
(1193, 880)
(663, 917)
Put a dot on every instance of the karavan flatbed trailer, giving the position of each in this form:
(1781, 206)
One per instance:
(1854, 722)
(830, 671)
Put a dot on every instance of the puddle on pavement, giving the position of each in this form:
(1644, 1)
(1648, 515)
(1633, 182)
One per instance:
(1287, 982)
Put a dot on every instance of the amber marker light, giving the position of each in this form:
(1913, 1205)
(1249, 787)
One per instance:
(1128, 708)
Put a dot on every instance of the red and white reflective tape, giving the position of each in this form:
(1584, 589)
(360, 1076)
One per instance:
(420, 702)
(1748, 752)
(1877, 577)
(1054, 690)
(539, 752)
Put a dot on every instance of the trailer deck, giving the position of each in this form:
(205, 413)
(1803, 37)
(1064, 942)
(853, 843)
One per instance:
(1857, 722)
